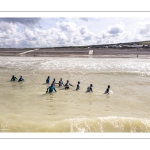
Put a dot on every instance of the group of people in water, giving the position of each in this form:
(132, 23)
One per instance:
(14, 78)
(51, 88)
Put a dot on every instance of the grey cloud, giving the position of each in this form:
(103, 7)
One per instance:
(67, 26)
(24, 21)
(83, 30)
(116, 29)
(84, 19)
(6, 27)
(88, 36)
(99, 41)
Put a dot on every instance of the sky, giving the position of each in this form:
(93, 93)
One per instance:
(69, 31)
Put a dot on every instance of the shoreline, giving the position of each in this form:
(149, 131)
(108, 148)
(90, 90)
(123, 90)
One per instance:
(81, 53)
(84, 56)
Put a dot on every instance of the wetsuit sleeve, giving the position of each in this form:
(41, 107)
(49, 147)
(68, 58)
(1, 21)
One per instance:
(70, 84)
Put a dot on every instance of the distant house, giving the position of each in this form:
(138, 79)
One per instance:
(145, 46)
(116, 46)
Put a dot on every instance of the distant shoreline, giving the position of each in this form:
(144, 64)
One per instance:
(79, 52)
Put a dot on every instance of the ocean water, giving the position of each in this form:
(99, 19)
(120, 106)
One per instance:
(25, 107)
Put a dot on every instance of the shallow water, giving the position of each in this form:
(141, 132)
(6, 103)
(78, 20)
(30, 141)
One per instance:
(25, 107)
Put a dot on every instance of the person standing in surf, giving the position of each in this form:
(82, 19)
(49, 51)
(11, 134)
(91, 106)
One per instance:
(60, 83)
(20, 79)
(54, 82)
(107, 90)
(89, 89)
(48, 80)
(13, 78)
(67, 85)
(51, 88)
(78, 86)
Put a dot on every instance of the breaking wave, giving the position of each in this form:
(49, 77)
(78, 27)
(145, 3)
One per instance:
(99, 124)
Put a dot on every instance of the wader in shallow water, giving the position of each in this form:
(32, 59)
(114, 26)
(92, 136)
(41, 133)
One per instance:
(48, 79)
(89, 89)
(67, 85)
(51, 88)
(13, 78)
(60, 82)
(78, 85)
(20, 79)
(107, 90)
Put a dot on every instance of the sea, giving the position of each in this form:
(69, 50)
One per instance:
(26, 107)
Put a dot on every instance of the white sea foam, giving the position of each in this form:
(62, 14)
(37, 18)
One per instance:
(141, 66)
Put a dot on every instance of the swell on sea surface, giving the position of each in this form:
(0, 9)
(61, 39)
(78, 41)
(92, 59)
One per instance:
(99, 124)
(144, 74)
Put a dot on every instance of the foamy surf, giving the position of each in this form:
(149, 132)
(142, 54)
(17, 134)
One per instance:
(97, 124)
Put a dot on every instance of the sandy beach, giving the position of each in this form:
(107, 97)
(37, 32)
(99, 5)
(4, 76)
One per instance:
(77, 52)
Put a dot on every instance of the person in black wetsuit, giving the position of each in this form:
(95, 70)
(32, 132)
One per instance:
(48, 80)
(89, 89)
(13, 78)
(54, 82)
(20, 79)
(78, 85)
(107, 90)
(67, 85)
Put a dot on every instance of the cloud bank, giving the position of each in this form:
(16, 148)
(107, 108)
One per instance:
(24, 32)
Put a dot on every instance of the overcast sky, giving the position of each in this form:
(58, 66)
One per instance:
(51, 32)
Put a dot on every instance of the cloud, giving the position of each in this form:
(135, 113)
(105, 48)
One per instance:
(144, 28)
(138, 38)
(84, 19)
(89, 36)
(67, 26)
(83, 30)
(25, 21)
(114, 34)
(116, 29)
(70, 32)
(85, 33)
(7, 27)
(62, 39)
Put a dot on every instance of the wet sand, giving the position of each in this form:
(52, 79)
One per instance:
(77, 52)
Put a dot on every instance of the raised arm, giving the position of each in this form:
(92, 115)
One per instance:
(71, 84)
